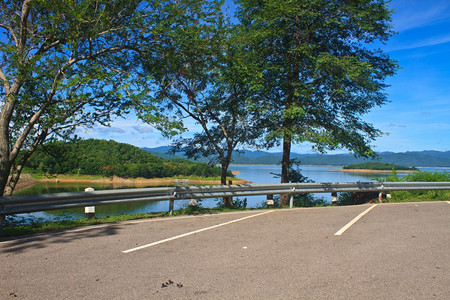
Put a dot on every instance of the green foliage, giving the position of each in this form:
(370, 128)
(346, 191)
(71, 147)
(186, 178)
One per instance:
(65, 64)
(300, 200)
(420, 176)
(238, 203)
(199, 76)
(319, 74)
(109, 158)
(379, 166)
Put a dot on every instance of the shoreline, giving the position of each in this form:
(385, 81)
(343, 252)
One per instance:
(26, 181)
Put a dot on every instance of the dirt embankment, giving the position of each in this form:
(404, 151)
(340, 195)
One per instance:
(26, 181)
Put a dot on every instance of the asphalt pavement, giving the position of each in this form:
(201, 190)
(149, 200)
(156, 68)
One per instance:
(391, 251)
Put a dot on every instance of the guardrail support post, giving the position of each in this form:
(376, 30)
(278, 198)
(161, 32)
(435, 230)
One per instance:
(270, 202)
(291, 201)
(89, 211)
(171, 203)
(2, 220)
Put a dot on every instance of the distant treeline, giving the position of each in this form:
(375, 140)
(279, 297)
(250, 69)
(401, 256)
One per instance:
(416, 158)
(110, 158)
(379, 166)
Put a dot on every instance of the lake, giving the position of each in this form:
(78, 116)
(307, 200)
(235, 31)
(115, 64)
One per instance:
(258, 174)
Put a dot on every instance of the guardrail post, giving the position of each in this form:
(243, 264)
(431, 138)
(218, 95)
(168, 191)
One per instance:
(2, 221)
(291, 201)
(270, 202)
(171, 203)
(89, 211)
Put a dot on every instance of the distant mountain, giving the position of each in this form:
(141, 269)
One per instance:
(407, 159)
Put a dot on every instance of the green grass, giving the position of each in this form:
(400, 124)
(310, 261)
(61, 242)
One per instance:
(33, 225)
(30, 225)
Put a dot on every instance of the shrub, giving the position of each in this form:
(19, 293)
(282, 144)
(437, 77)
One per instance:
(420, 176)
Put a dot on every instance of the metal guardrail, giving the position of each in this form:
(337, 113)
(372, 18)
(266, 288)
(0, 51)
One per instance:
(44, 202)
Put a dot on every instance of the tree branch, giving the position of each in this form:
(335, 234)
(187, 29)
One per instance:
(5, 81)
(11, 31)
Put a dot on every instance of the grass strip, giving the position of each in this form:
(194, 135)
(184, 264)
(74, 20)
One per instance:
(27, 226)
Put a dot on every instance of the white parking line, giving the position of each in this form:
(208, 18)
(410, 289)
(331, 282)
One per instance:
(349, 224)
(193, 232)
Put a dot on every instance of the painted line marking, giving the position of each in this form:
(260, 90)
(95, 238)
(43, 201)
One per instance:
(349, 224)
(194, 232)
(448, 202)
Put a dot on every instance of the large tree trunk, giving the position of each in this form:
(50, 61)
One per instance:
(227, 201)
(285, 164)
(5, 163)
(5, 118)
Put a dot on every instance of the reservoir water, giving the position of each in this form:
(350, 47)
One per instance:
(258, 174)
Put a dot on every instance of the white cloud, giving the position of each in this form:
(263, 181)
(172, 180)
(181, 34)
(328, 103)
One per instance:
(415, 14)
(421, 43)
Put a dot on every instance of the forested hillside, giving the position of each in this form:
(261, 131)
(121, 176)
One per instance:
(110, 158)
(379, 167)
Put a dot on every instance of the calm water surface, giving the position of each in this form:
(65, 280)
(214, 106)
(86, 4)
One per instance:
(259, 174)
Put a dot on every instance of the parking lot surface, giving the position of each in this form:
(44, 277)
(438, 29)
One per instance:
(392, 251)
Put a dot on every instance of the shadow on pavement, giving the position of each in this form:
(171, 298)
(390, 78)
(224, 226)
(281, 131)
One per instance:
(20, 244)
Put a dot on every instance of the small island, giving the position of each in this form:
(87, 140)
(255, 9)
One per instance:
(377, 167)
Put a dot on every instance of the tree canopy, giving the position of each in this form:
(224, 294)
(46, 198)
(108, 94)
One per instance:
(200, 78)
(72, 63)
(63, 65)
(320, 72)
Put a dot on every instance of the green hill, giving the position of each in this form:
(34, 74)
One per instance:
(110, 158)
(379, 167)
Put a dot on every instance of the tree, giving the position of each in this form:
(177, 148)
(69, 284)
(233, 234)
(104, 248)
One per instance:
(320, 71)
(200, 77)
(62, 67)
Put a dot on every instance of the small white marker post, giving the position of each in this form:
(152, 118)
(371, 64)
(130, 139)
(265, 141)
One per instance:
(89, 211)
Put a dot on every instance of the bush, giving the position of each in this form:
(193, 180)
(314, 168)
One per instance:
(238, 203)
(420, 176)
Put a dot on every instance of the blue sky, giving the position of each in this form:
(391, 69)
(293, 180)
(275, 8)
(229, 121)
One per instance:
(418, 116)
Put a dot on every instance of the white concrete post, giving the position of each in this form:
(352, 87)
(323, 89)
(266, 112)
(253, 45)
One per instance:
(334, 198)
(89, 211)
